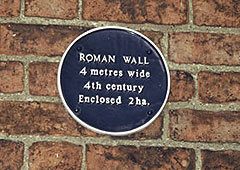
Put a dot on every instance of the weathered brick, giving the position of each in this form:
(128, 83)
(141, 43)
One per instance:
(182, 86)
(153, 131)
(220, 160)
(204, 48)
(48, 155)
(137, 11)
(64, 9)
(155, 37)
(204, 126)
(11, 155)
(217, 12)
(34, 118)
(43, 79)
(221, 87)
(9, 8)
(11, 77)
(135, 158)
(18, 39)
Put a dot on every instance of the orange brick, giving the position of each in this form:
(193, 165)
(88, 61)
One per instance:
(38, 40)
(9, 8)
(11, 155)
(217, 13)
(64, 9)
(219, 87)
(11, 77)
(137, 11)
(204, 126)
(135, 158)
(43, 79)
(204, 48)
(49, 155)
(220, 160)
(182, 86)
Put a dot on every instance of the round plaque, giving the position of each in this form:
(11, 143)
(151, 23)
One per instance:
(113, 80)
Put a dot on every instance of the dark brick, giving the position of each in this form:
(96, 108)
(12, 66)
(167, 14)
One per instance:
(134, 158)
(18, 39)
(137, 11)
(64, 9)
(217, 12)
(204, 48)
(182, 86)
(11, 155)
(204, 126)
(221, 87)
(11, 77)
(220, 160)
(49, 155)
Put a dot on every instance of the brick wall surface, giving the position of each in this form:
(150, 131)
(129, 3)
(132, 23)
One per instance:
(199, 128)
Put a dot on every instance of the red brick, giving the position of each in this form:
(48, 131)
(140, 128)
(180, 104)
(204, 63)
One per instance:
(34, 118)
(18, 39)
(137, 11)
(217, 13)
(9, 8)
(11, 155)
(48, 155)
(182, 86)
(220, 160)
(43, 79)
(204, 126)
(204, 48)
(221, 87)
(135, 158)
(11, 77)
(64, 9)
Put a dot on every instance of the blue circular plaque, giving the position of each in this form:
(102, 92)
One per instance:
(113, 80)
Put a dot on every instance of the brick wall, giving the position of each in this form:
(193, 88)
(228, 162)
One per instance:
(200, 125)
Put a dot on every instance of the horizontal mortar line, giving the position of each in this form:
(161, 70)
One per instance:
(29, 58)
(145, 26)
(53, 99)
(20, 94)
(195, 68)
(118, 142)
(21, 97)
(196, 105)
(192, 68)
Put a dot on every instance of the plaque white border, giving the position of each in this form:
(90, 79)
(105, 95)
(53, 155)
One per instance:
(124, 133)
